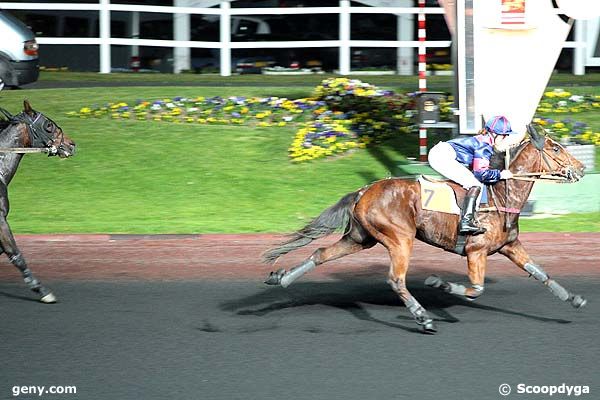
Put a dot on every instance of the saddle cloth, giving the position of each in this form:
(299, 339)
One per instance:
(438, 196)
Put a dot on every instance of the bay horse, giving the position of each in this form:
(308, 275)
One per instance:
(27, 130)
(389, 212)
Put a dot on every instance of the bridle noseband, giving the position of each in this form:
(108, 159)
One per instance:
(41, 130)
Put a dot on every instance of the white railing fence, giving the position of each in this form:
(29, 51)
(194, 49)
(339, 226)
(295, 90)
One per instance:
(225, 45)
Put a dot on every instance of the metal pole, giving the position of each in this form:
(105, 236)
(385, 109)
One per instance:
(181, 31)
(404, 31)
(225, 24)
(344, 37)
(134, 29)
(422, 75)
(105, 37)
(579, 52)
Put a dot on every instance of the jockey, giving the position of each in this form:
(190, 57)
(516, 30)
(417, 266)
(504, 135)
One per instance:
(466, 160)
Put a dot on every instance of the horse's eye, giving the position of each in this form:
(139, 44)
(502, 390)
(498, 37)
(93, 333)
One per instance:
(556, 149)
(49, 127)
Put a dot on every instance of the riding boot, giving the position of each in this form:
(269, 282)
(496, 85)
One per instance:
(468, 221)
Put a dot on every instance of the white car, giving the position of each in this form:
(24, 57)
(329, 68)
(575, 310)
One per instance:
(19, 62)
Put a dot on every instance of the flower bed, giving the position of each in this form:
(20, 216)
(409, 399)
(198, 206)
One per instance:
(560, 101)
(342, 115)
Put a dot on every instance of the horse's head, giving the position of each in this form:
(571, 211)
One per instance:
(555, 159)
(45, 133)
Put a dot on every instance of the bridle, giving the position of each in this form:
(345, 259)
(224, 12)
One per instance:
(547, 172)
(42, 132)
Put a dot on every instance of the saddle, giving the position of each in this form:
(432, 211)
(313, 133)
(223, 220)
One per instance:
(438, 195)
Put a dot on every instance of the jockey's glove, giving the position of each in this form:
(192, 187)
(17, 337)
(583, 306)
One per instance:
(506, 174)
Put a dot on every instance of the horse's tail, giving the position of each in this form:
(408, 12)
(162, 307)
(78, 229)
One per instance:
(332, 219)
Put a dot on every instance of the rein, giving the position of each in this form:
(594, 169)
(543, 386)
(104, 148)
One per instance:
(23, 150)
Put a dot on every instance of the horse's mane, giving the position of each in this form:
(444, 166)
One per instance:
(7, 119)
(4, 123)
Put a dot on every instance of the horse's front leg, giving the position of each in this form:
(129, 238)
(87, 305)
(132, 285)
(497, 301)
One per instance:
(517, 254)
(7, 241)
(399, 255)
(477, 263)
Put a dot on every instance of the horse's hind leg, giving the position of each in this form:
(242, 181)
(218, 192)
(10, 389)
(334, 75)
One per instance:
(400, 254)
(350, 243)
(517, 254)
(16, 258)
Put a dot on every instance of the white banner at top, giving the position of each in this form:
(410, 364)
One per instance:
(507, 50)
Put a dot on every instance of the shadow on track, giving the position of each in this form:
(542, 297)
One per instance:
(350, 292)
(18, 297)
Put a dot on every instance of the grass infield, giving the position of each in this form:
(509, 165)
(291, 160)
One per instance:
(157, 177)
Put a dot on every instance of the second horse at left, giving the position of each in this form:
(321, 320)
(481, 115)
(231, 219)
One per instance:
(28, 129)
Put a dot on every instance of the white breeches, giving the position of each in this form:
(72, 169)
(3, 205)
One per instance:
(442, 158)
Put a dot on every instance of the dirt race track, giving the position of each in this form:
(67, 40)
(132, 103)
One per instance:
(187, 317)
(238, 257)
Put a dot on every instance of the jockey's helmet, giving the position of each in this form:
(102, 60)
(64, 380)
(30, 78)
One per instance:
(499, 125)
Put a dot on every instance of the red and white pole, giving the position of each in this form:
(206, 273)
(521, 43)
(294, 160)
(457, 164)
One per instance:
(422, 75)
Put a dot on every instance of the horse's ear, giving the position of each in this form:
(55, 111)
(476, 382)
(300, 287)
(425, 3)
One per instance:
(27, 107)
(538, 135)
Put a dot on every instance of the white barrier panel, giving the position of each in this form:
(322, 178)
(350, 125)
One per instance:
(514, 60)
(506, 52)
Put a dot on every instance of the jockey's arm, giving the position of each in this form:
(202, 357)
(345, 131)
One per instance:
(481, 165)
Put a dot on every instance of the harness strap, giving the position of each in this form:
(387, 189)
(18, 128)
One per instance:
(510, 210)
(461, 242)
(506, 166)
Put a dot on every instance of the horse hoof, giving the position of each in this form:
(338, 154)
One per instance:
(275, 277)
(434, 281)
(429, 328)
(49, 298)
(578, 301)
